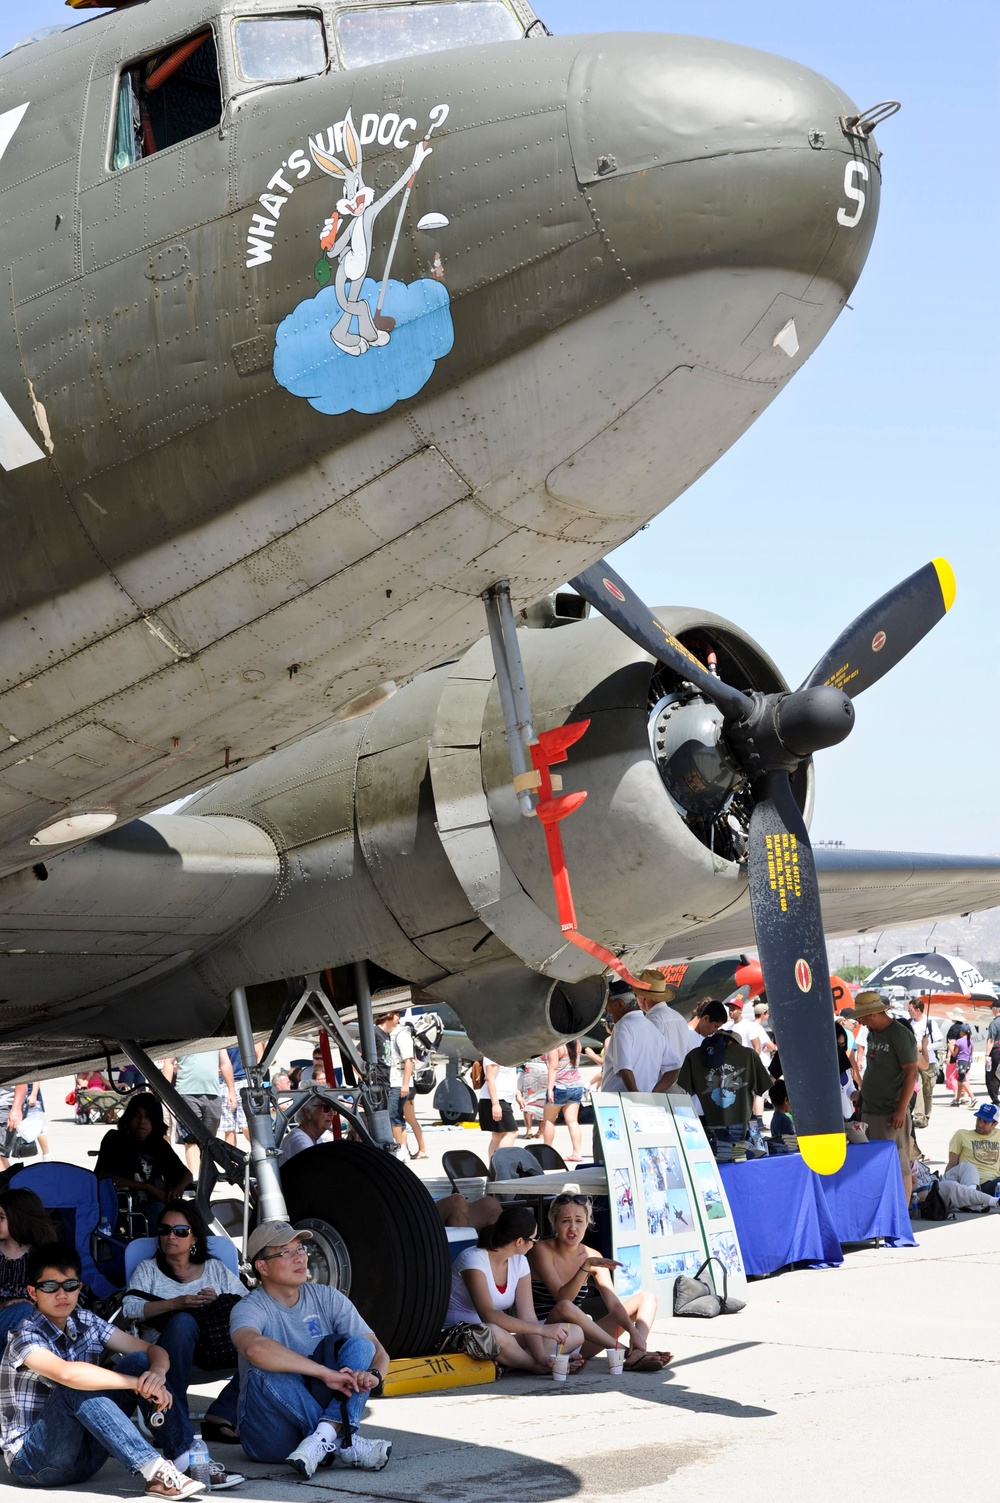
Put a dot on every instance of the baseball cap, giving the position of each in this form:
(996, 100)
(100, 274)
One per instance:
(865, 1004)
(272, 1234)
(987, 1112)
(619, 989)
(995, 1002)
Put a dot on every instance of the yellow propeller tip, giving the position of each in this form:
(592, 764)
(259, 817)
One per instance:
(824, 1152)
(946, 579)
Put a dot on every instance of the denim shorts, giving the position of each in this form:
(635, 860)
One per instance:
(566, 1095)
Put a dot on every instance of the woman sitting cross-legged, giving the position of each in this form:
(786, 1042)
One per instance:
(563, 1266)
(491, 1284)
(24, 1225)
(166, 1294)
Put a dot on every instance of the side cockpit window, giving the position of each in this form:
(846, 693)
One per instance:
(279, 49)
(382, 33)
(167, 98)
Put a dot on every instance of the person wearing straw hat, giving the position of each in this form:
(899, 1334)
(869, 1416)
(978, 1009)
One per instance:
(889, 1080)
(658, 1010)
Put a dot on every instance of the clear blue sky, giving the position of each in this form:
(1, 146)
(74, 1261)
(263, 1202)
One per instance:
(882, 451)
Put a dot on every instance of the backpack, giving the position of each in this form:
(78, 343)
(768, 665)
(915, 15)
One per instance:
(933, 1207)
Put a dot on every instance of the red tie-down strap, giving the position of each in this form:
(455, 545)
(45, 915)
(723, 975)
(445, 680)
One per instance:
(550, 748)
(331, 1079)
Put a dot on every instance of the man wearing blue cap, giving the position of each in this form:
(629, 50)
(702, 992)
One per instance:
(974, 1154)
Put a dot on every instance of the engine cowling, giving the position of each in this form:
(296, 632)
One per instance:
(397, 839)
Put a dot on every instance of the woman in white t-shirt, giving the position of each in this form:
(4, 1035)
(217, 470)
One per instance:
(497, 1096)
(491, 1283)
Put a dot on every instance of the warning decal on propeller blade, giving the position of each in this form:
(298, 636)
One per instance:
(878, 641)
(803, 975)
(613, 589)
(842, 677)
(783, 868)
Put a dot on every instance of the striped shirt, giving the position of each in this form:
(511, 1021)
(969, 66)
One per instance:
(24, 1394)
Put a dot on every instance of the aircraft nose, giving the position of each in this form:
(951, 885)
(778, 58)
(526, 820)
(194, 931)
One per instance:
(697, 152)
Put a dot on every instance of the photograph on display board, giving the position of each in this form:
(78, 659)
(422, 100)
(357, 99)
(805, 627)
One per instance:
(628, 1278)
(692, 1131)
(661, 1170)
(669, 1265)
(644, 1118)
(723, 1245)
(711, 1191)
(621, 1184)
(612, 1127)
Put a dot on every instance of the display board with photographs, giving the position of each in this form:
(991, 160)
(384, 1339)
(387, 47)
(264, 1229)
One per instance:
(668, 1206)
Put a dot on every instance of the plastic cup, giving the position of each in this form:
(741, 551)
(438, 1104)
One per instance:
(616, 1360)
(560, 1366)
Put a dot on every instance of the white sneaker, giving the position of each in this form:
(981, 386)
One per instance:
(373, 1455)
(168, 1482)
(219, 1479)
(311, 1453)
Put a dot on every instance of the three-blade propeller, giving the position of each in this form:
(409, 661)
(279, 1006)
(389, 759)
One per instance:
(769, 735)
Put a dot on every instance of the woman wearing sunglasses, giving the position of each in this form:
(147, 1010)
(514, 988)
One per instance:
(563, 1266)
(166, 1294)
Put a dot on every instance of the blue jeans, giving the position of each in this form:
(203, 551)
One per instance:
(11, 1316)
(79, 1431)
(278, 1410)
(178, 1339)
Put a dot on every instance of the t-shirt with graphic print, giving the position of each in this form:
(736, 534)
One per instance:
(319, 1311)
(890, 1050)
(980, 1149)
(724, 1082)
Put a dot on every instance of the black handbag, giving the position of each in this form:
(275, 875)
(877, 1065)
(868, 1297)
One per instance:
(16, 1147)
(696, 1296)
(214, 1349)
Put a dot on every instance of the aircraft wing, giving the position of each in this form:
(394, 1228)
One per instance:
(865, 890)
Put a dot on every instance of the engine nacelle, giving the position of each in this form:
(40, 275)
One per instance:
(397, 838)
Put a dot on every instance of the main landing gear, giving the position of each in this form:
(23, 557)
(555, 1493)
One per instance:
(377, 1235)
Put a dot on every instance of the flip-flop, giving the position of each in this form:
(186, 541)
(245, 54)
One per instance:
(649, 1362)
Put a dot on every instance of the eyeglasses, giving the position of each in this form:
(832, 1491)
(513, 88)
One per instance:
(287, 1252)
(174, 1230)
(49, 1286)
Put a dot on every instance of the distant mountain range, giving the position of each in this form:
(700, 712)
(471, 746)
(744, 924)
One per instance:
(976, 938)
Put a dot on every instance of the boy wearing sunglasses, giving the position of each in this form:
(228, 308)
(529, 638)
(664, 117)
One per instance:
(61, 1414)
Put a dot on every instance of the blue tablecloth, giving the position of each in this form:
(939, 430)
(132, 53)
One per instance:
(784, 1213)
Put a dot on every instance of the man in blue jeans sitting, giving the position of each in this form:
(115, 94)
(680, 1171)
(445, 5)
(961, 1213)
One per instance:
(61, 1415)
(307, 1363)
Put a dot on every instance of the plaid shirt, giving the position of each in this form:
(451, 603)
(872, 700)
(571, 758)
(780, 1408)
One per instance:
(24, 1394)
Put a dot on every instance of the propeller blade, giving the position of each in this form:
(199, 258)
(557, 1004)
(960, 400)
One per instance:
(784, 901)
(884, 633)
(609, 594)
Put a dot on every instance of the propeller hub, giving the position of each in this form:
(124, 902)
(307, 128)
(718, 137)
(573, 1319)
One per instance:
(782, 730)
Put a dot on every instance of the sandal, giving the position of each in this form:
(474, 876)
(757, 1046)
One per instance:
(647, 1362)
(219, 1430)
(501, 1371)
(418, 1156)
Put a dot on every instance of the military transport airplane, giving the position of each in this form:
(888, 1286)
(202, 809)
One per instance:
(321, 323)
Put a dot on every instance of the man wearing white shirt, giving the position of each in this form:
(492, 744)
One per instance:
(670, 1023)
(638, 1057)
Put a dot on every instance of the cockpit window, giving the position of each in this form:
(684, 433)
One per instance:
(378, 34)
(276, 49)
(167, 98)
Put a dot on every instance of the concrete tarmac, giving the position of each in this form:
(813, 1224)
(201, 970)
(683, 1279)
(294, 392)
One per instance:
(867, 1380)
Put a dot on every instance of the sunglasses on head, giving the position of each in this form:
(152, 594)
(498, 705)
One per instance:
(49, 1286)
(571, 1200)
(172, 1230)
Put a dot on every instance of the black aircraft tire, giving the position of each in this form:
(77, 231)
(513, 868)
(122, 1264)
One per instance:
(400, 1265)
